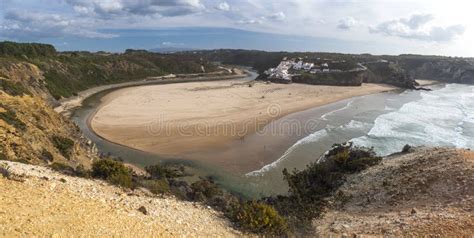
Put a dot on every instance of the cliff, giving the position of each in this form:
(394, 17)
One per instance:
(389, 73)
(452, 71)
(354, 78)
(423, 192)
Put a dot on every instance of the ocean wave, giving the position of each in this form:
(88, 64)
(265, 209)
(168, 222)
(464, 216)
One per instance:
(308, 139)
(349, 104)
(437, 119)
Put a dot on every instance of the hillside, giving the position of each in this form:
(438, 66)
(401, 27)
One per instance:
(426, 192)
(403, 68)
(66, 73)
(40, 202)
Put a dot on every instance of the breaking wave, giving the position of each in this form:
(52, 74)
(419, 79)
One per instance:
(440, 118)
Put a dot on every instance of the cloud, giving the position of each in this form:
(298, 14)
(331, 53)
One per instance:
(249, 22)
(279, 16)
(347, 23)
(33, 25)
(111, 8)
(223, 6)
(418, 27)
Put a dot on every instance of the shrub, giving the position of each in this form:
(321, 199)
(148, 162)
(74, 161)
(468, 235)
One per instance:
(112, 171)
(3, 156)
(11, 118)
(5, 171)
(160, 171)
(156, 186)
(46, 156)
(260, 218)
(12, 88)
(406, 148)
(308, 189)
(63, 168)
(80, 171)
(64, 145)
(204, 189)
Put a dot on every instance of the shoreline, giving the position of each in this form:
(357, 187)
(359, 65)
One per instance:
(254, 118)
(67, 105)
(189, 148)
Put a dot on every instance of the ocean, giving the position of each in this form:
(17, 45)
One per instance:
(386, 122)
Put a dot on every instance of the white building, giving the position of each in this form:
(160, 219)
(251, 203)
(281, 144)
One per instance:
(307, 66)
(298, 65)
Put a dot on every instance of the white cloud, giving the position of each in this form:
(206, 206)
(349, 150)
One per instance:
(223, 6)
(347, 23)
(418, 27)
(18, 25)
(110, 8)
(279, 16)
(249, 22)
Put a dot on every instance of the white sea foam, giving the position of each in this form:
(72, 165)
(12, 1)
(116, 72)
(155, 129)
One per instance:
(358, 125)
(437, 120)
(324, 116)
(308, 139)
(443, 117)
(312, 138)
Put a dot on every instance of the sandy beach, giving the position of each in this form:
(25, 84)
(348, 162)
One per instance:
(184, 118)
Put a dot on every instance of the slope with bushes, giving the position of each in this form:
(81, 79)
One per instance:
(420, 192)
(66, 73)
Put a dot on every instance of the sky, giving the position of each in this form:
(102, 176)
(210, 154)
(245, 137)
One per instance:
(350, 26)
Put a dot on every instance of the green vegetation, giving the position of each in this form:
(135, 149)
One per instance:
(8, 48)
(47, 156)
(5, 171)
(337, 78)
(260, 218)
(160, 171)
(3, 156)
(156, 186)
(67, 73)
(10, 117)
(12, 88)
(112, 171)
(64, 145)
(308, 189)
(63, 168)
(204, 189)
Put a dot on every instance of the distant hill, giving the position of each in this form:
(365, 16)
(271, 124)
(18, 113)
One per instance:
(171, 50)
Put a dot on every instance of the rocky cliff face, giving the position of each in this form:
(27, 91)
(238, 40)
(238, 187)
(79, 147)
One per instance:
(28, 75)
(389, 73)
(30, 130)
(452, 70)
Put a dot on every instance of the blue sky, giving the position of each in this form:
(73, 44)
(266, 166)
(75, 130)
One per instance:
(378, 27)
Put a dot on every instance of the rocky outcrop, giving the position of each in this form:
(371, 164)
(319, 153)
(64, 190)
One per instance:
(31, 131)
(452, 71)
(28, 76)
(388, 73)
